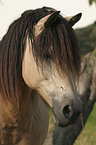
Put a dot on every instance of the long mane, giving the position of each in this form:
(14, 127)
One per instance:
(57, 43)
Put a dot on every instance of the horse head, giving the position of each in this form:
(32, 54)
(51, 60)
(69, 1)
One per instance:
(53, 71)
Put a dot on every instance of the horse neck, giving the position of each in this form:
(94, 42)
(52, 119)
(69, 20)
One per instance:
(36, 110)
(34, 116)
(17, 108)
(28, 100)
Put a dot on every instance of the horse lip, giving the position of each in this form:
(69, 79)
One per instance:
(66, 122)
(58, 122)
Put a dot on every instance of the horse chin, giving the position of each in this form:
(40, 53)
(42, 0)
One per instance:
(58, 123)
(64, 124)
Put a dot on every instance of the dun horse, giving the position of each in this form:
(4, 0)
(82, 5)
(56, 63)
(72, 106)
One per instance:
(39, 64)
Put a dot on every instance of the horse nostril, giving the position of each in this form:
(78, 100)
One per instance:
(67, 111)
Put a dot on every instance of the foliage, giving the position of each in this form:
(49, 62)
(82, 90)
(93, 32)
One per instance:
(92, 1)
(87, 38)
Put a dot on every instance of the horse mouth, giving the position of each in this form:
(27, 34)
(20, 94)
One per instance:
(58, 122)
(66, 123)
(63, 122)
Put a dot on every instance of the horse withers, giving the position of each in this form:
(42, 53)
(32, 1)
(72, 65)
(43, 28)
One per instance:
(39, 65)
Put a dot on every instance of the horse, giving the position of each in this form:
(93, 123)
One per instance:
(39, 67)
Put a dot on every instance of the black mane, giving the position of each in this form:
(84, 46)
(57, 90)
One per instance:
(57, 43)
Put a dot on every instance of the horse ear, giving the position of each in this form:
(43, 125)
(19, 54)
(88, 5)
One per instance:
(74, 19)
(45, 22)
(51, 19)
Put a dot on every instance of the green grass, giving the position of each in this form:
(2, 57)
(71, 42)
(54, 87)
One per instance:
(51, 121)
(88, 134)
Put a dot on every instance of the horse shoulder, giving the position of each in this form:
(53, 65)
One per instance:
(8, 122)
(37, 126)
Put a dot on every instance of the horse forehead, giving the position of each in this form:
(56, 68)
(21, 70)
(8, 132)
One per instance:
(36, 71)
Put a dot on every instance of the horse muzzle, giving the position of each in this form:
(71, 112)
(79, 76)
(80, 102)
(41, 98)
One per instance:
(68, 114)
